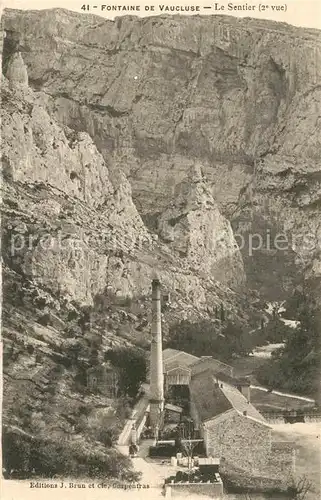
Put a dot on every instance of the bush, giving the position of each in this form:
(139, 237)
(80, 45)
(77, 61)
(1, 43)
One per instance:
(132, 367)
(207, 337)
(73, 314)
(108, 437)
(30, 349)
(44, 319)
(38, 358)
(24, 455)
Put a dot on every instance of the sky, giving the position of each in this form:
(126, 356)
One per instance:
(305, 13)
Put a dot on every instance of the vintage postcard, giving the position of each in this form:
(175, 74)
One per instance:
(161, 249)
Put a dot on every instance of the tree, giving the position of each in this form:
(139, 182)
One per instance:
(132, 367)
(222, 312)
(16, 452)
(300, 488)
(30, 349)
(85, 318)
(187, 444)
(94, 357)
(296, 366)
(205, 337)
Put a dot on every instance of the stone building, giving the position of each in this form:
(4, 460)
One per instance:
(180, 357)
(192, 366)
(103, 378)
(237, 433)
(176, 374)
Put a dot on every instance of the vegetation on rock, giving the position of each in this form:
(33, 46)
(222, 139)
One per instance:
(26, 456)
(132, 368)
(295, 367)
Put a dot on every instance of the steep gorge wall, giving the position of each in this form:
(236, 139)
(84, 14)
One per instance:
(131, 148)
(72, 238)
(160, 95)
(74, 228)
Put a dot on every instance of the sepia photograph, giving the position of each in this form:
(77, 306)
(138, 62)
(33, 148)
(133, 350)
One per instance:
(161, 250)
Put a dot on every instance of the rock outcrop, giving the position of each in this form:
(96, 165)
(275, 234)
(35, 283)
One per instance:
(74, 241)
(80, 219)
(194, 227)
(16, 71)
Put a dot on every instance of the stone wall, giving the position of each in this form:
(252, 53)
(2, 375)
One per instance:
(240, 481)
(210, 489)
(238, 440)
(195, 416)
(279, 418)
(141, 426)
(281, 460)
(272, 419)
(245, 444)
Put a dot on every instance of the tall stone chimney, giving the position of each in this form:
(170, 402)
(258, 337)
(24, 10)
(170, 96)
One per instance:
(156, 360)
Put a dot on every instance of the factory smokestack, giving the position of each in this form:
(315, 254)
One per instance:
(156, 360)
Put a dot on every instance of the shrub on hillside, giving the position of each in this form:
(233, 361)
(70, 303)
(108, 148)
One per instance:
(132, 367)
(207, 337)
(25, 456)
(30, 349)
(44, 319)
(296, 366)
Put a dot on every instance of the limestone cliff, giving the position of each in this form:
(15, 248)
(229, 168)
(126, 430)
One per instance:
(74, 241)
(69, 234)
(131, 148)
(159, 95)
(194, 227)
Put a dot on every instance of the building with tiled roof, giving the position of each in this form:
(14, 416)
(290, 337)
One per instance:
(207, 399)
(209, 363)
(169, 353)
(240, 403)
(234, 430)
(180, 357)
(219, 404)
(211, 398)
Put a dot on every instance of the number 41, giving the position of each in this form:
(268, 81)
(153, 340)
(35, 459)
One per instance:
(85, 7)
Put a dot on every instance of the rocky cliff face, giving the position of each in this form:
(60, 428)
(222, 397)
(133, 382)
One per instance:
(80, 231)
(193, 226)
(142, 147)
(74, 242)
(160, 95)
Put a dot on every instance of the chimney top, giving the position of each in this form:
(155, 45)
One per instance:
(155, 282)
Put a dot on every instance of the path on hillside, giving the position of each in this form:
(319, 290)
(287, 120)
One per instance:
(153, 472)
(136, 416)
(285, 394)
